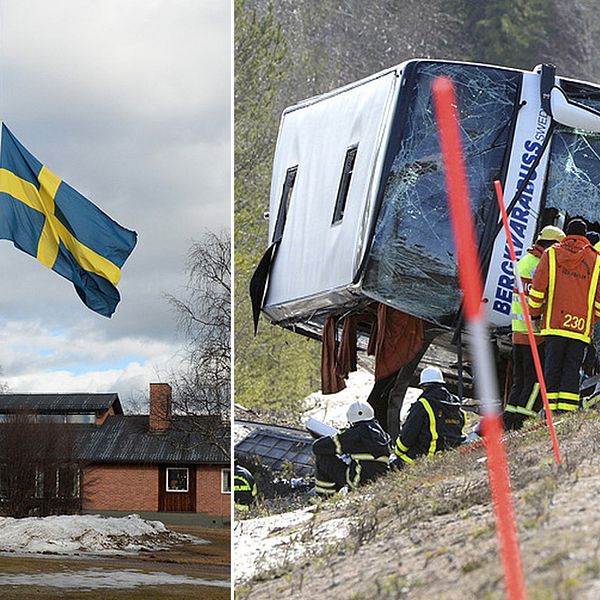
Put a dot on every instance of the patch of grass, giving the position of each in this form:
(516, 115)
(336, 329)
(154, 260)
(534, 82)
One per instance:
(570, 586)
(531, 523)
(448, 496)
(552, 560)
(482, 531)
(471, 566)
(392, 584)
(429, 554)
(591, 568)
(541, 591)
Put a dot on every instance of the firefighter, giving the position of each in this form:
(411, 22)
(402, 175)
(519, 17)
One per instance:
(565, 294)
(354, 456)
(524, 400)
(244, 488)
(435, 421)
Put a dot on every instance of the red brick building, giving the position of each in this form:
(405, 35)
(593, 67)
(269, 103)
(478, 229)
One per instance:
(159, 465)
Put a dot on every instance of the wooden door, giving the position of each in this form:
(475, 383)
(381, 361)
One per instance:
(177, 488)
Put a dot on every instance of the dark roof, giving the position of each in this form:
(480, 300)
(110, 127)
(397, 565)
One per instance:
(127, 439)
(275, 446)
(59, 403)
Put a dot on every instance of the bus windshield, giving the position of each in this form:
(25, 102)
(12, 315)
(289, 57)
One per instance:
(411, 265)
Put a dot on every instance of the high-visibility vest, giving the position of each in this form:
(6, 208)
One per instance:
(526, 268)
(567, 295)
(425, 432)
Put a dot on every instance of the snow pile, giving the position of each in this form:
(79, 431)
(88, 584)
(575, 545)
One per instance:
(331, 408)
(85, 533)
(269, 542)
(240, 432)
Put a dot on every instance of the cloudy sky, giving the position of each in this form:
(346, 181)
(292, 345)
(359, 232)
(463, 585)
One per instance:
(128, 102)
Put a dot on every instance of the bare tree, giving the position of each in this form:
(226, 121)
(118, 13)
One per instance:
(201, 389)
(38, 471)
(4, 389)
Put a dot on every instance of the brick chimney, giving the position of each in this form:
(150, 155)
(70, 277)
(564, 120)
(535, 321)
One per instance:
(160, 407)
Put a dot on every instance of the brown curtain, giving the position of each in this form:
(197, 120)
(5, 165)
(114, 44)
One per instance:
(398, 339)
(346, 362)
(331, 381)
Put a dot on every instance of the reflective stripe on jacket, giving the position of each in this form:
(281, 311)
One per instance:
(526, 268)
(435, 422)
(367, 445)
(244, 487)
(565, 289)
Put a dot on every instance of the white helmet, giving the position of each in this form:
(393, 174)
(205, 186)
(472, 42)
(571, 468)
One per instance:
(359, 411)
(431, 375)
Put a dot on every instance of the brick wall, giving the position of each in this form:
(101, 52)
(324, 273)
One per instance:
(135, 488)
(209, 498)
(120, 487)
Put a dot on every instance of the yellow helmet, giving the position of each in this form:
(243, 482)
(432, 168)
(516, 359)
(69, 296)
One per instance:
(551, 233)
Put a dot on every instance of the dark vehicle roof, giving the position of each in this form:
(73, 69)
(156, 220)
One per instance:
(277, 446)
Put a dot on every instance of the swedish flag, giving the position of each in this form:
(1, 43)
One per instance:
(51, 221)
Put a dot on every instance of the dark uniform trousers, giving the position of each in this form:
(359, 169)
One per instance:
(331, 468)
(525, 399)
(366, 447)
(561, 371)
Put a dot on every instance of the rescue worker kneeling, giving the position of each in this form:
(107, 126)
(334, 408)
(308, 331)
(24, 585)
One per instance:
(435, 421)
(244, 488)
(354, 456)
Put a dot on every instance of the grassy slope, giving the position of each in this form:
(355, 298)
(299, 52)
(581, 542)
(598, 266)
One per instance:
(428, 532)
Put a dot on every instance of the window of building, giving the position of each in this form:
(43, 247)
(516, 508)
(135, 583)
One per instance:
(76, 491)
(89, 418)
(67, 481)
(39, 483)
(48, 418)
(344, 187)
(178, 480)
(225, 481)
(3, 481)
(284, 202)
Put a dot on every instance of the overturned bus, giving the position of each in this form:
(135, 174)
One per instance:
(358, 212)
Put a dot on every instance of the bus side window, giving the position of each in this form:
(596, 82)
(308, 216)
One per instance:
(284, 203)
(342, 195)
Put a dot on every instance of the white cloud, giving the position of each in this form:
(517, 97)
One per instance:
(37, 359)
(129, 102)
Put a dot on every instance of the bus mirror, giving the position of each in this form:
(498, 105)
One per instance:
(573, 114)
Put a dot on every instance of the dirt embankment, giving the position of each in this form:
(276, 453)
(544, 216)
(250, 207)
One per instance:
(428, 532)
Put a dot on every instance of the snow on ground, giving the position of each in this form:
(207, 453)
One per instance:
(93, 579)
(240, 432)
(331, 408)
(71, 534)
(269, 542)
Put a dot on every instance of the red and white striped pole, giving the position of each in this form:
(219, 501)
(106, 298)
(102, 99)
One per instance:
(532, 343)
(485, 377)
